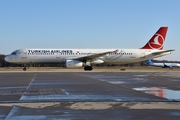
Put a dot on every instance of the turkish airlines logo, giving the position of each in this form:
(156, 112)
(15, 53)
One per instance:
(156, 42)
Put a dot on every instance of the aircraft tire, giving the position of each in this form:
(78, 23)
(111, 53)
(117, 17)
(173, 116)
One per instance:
(88, 68)
(24, 69)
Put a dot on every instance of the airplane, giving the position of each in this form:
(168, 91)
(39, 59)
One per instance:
(74, 58)
(163, 65)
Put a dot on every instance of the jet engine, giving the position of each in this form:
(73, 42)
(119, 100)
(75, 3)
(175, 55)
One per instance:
(97, 61)
(73, 63)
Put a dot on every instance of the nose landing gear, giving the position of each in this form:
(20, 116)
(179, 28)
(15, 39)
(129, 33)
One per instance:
(24, 69)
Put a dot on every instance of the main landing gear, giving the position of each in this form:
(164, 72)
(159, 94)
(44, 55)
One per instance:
(88, 68)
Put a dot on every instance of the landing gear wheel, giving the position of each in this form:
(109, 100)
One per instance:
(24, 69)
(88, 68)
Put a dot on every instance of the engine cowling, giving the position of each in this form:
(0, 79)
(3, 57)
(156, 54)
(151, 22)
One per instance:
(73, 63)
(97, 61)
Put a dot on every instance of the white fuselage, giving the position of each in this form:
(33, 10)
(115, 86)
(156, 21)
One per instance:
(122, 56)
(167, 64)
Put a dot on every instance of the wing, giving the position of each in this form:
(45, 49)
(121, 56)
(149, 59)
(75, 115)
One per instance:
(94, 56)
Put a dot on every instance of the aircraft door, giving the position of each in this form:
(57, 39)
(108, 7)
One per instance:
(57, 55)
(24, 54)
(143, 53)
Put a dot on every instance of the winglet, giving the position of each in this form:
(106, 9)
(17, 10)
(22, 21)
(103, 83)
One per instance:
(116, 51)
(158, 39)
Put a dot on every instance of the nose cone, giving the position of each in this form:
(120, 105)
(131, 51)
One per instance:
(6, 58)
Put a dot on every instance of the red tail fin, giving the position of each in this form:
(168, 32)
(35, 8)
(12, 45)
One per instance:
(158, 39)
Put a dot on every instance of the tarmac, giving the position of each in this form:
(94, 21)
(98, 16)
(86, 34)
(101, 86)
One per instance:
(91, 95)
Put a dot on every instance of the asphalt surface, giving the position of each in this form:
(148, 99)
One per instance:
(90, 95)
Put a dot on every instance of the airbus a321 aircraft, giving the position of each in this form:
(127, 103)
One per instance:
(73, 58)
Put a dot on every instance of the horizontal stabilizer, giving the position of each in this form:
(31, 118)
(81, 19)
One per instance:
(162, 52)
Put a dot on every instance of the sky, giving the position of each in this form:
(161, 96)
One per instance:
(88, 24)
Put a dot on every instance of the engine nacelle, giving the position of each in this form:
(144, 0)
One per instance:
(97, 61)
(73, 63)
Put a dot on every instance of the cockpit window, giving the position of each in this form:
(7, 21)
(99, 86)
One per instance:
(14, 53)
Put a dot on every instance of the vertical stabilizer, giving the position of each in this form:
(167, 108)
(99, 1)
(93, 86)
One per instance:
(158, 39)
